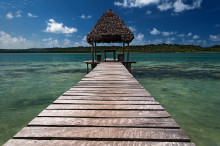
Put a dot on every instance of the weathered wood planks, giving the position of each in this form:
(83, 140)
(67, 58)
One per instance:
(25, 142)
(107, 107)
(104, 113)
(105, 122)
(103, 133)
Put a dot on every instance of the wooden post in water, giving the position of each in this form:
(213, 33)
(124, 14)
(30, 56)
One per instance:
(123, 50)
(128, 53)
(92, 65)
(95, 51)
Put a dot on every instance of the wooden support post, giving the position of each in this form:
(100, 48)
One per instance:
(95, 52)
(129, 67)
(92, 52)
(87, 68)
(114, 55)
(128, 53)
(105, 55)
(92, 65)
(123, 50)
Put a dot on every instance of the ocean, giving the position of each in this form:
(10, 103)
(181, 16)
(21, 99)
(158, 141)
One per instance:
(186, 85)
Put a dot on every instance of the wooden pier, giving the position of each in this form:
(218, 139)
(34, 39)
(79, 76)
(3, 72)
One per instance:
(107, 107)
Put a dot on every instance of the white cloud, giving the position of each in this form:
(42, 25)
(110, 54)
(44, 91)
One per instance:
(155, 31)
(47, 39)
(140, 37)
(18, 13)
(181, 35)
(148, 12)
(84, 38)
(55, 27)
(83, 42)
(189, 34)
(196, 37)
(165, 5)
(133, 29)
(135, 3)
(180, 6)
(214, 38)
(67, 42)
(85, 17)
(170, 40)
(31, 15)
(166, 33)
(9, 42)
(9, 15)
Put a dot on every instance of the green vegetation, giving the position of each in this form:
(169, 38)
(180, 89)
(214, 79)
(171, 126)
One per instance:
(160, 48)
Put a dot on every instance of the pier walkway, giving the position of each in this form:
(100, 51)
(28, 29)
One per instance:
(107, 107)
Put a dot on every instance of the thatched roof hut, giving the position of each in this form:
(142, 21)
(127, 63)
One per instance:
(110, 29)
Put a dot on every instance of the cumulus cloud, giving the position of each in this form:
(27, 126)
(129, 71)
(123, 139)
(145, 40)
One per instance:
(189, 34)
(167, 33)
(140, 37)
(9, 15)
(164, 33)
(54, 27)
(170, 40)
(163, 5)
(180, 6)
(155, 31)
(181, 35)
(135, 3)
(9, 42)
(31, 15)
(215, 38)
(133, 29)
(17, 14)
(83, 16)
(196, 37)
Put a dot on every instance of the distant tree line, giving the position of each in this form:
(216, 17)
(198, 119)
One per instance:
(160, 48)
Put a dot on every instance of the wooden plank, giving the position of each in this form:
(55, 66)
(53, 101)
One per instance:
(104, 89)
(108, 91)
(109, 82)
(105, 122)
(104, 133)
(28, 142)
(104, 107)
(104, 113)
(110, 86)
(107, 98)
(58, 101)
(107, 95)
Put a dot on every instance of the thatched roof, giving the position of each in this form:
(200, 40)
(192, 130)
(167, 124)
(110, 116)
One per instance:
(110, 29)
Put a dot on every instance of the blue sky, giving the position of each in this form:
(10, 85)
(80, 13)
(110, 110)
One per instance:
(65, 23)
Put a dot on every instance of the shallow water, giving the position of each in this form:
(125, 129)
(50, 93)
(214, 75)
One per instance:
(186, 85)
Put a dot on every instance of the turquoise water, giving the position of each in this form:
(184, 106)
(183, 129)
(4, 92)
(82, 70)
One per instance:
(186, 85)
